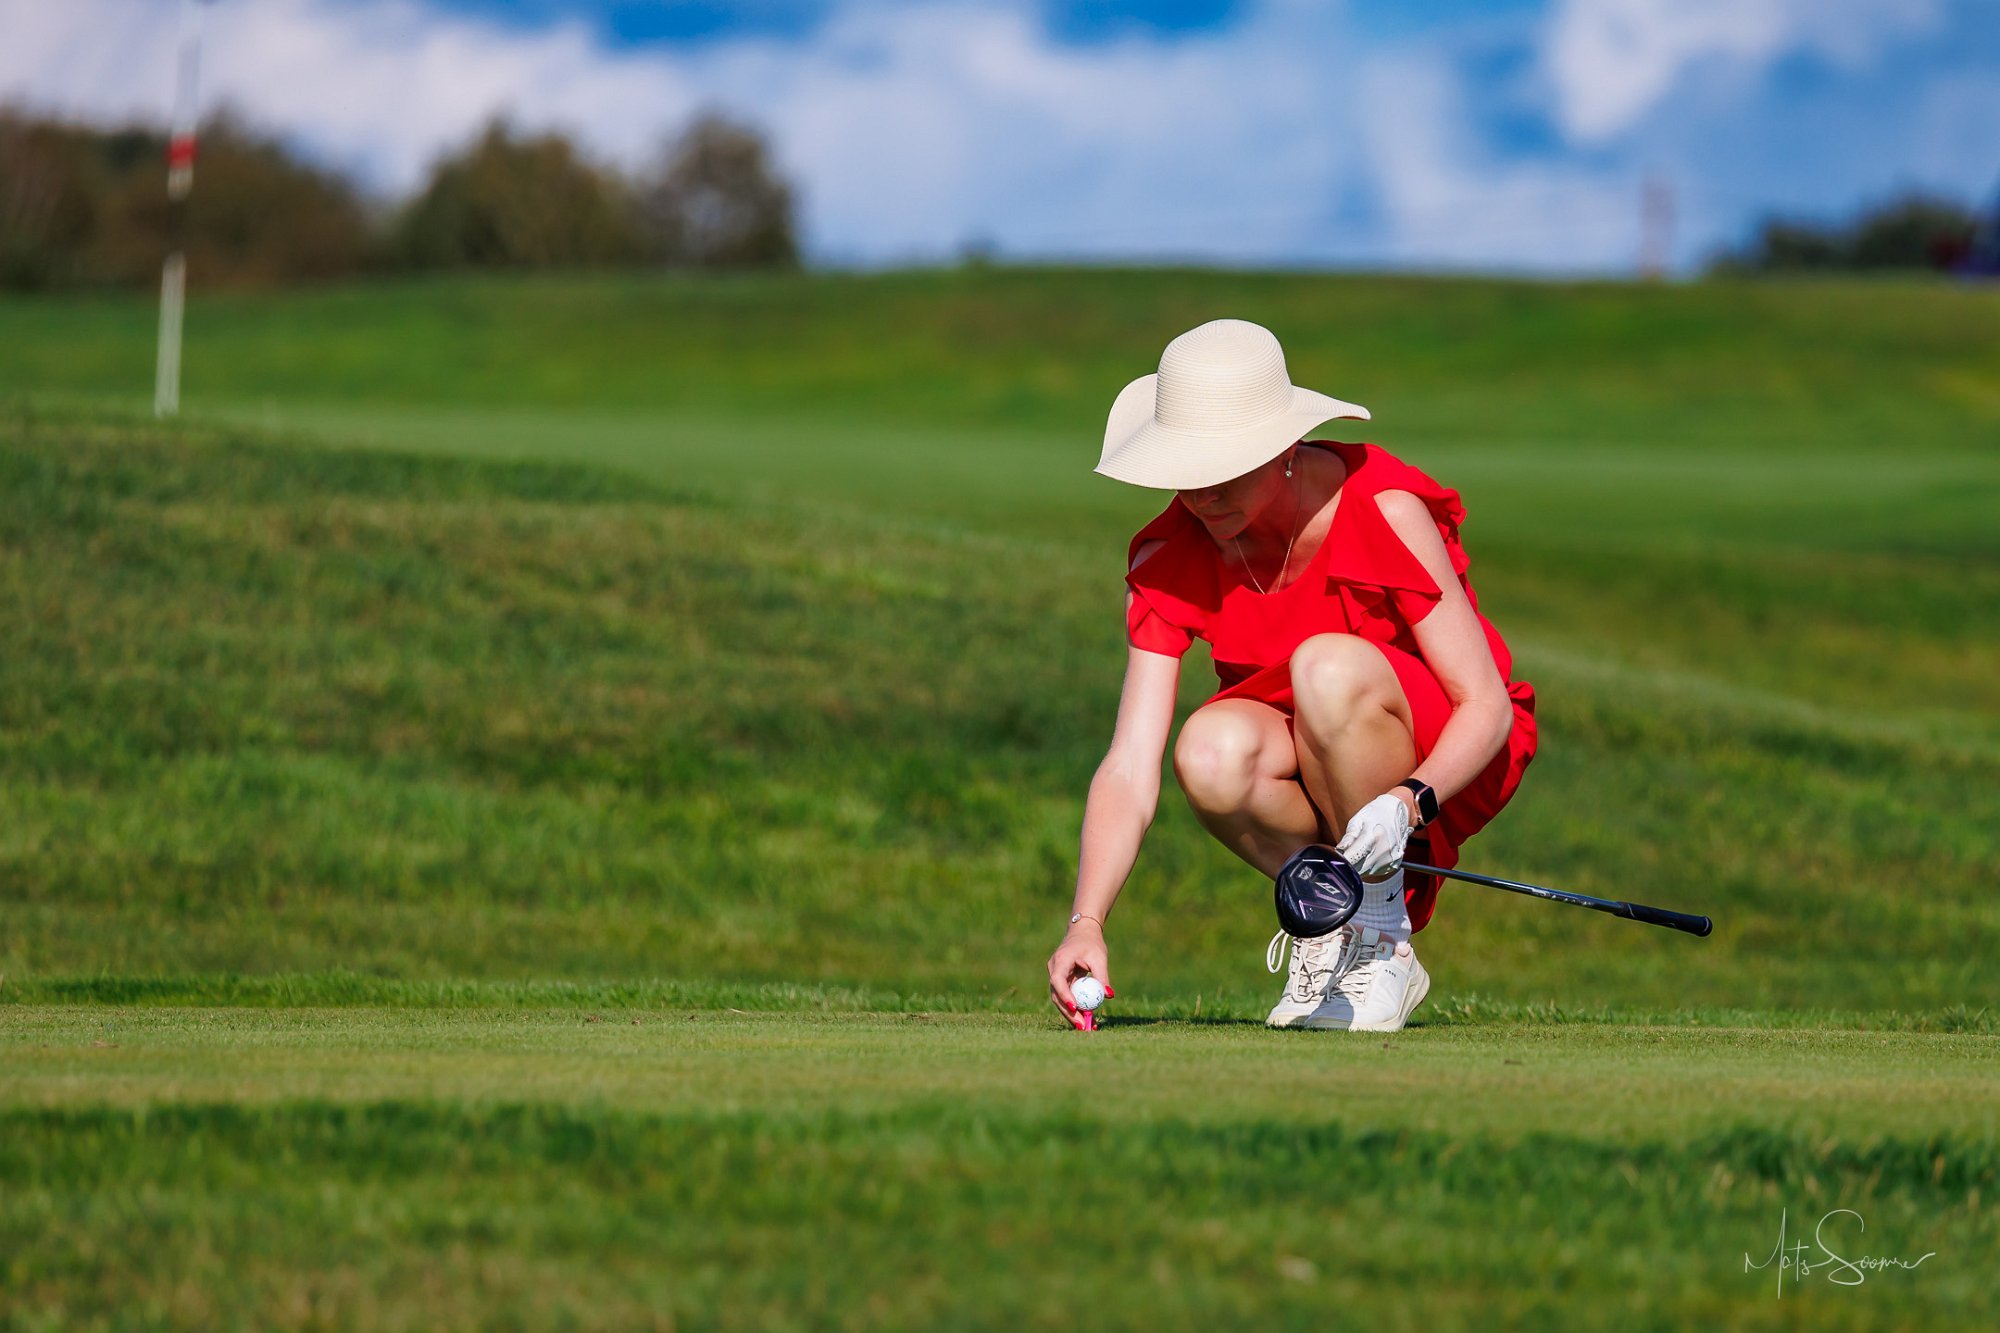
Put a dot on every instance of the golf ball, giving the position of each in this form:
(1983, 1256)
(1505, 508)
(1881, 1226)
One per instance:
(1088, 992)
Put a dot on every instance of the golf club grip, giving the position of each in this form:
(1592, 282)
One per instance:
(1660, 916)
(1652, 916)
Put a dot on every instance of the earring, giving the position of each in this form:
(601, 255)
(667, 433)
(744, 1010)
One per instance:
(1288, 467)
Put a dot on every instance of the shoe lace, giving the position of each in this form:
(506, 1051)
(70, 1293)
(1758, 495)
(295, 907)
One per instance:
(1274, 954)
(1307, 959)
(1358, 973)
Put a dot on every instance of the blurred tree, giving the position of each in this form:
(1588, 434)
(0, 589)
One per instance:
(80, 205)
(49, 202)
(1915, 231)
(1796, 245)
(1983, 254)
(714, 200)
(258, 213)
(510, 201)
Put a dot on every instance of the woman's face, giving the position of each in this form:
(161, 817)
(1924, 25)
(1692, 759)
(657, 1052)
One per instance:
(1226, 509)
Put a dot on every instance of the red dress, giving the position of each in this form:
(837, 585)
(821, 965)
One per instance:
(1362, 580)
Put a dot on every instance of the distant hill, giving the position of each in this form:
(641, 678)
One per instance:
(1793, 364)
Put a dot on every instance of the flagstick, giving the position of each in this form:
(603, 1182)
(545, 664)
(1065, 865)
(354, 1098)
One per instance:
(167, 373)
(180, 181)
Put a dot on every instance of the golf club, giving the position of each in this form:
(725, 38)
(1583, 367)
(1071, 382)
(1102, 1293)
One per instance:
(1652, 916)
(1317, 891)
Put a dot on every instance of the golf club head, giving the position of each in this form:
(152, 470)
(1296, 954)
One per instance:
(1316, 892)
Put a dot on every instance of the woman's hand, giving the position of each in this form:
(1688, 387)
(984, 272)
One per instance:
(1082, 951)
(1377, 835)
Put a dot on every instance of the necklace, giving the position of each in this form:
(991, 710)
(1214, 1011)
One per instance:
(1279, 577)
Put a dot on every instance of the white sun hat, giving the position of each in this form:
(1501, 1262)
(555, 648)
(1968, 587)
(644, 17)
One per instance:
(1221, 405)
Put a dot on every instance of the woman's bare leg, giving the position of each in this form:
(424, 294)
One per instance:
(1247, 778)
(1355, 732)
(1239, 771)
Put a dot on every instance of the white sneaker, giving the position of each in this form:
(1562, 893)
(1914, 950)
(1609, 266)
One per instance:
(1380, 985)
(1315, 963)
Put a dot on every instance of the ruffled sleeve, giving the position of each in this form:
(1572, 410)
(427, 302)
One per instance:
(1147, 629)
(1375, 566)
(1173, 589)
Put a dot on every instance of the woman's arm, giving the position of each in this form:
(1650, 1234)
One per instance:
(1455, 648)
(1124, 795)
(1125, 792)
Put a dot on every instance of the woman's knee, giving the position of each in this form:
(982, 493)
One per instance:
(1219, 759)
(1335, 676)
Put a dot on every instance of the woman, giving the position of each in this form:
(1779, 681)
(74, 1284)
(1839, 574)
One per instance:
(1364, 697)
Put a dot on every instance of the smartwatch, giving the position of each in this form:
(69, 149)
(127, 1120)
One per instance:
(1427, 800)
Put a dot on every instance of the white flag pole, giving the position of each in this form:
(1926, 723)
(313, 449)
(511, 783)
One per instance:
(180, 181)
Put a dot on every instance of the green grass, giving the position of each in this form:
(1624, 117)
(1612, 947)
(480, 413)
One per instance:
(488, 665)
(742, 1170)
(1772, 365)
(419, 1215)
(1598, 1081)
(282, 709)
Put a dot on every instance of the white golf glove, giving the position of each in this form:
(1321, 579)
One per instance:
(1377, 835)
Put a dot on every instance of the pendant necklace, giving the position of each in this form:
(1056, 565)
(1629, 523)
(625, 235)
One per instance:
(1288, 544)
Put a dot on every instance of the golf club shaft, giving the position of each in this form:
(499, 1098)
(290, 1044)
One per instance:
(1652, 916)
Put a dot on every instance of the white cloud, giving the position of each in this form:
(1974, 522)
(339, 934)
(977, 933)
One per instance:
(969, 118)
(1448, 201)
(380, 86)
(912, 126)
(1611, 61)
(909, 127)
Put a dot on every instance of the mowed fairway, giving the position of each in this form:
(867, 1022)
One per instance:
(545, 803)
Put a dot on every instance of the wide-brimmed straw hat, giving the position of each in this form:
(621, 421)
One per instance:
(1221, 405)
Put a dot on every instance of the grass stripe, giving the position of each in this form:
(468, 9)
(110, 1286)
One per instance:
(344, 989)
(39, 1145)
(411, 1214)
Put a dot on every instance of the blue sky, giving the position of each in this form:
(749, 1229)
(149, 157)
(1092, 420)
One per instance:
(680, 22)
(1504, 135)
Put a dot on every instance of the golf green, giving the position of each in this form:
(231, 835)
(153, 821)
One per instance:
(543, 803)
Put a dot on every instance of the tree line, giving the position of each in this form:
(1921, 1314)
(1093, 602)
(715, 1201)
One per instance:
(86, 206)
(1913, 231)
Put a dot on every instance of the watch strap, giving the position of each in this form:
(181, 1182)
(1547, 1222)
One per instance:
(1427, 800)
